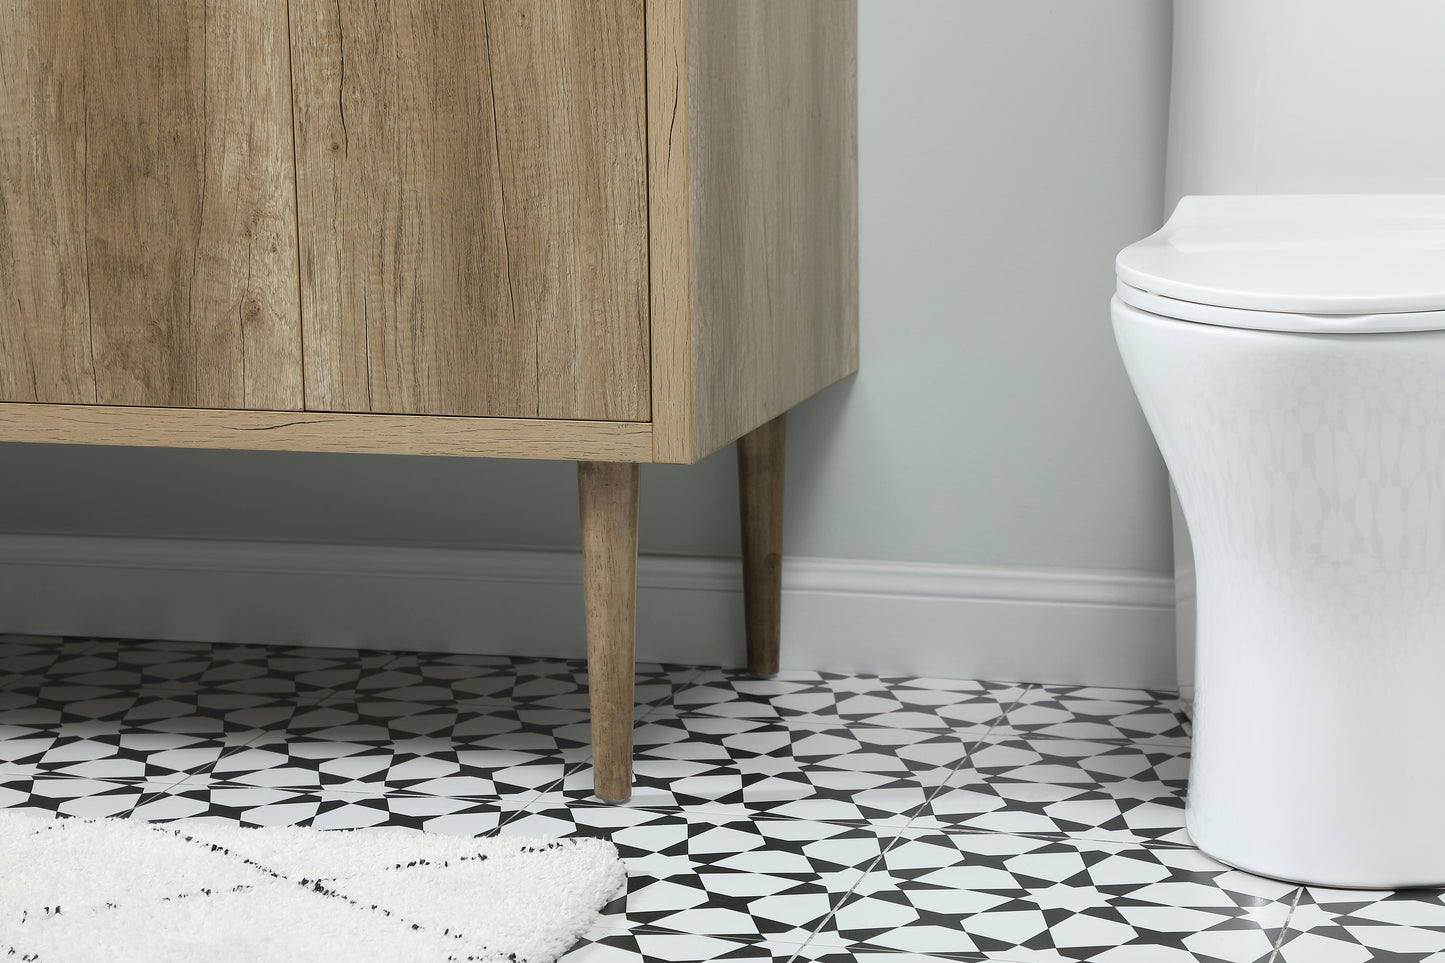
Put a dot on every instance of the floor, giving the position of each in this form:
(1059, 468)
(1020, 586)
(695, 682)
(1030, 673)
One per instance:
(809, 817)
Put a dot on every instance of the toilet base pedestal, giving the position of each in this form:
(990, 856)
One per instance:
(1311, 471)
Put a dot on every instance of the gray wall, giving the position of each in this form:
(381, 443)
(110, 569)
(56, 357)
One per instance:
(1006, 151)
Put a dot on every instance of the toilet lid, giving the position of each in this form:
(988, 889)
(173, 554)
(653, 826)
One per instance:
(1328, 262)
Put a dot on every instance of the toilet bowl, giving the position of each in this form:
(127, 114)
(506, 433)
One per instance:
(1289, 355)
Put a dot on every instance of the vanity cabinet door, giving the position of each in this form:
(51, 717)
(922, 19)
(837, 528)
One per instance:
(472, 205)
(147, 204)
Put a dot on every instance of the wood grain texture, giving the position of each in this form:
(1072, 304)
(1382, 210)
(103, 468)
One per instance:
(147, 151)
(405, 289)
(760, 490)
(609, 441)
(472, 207)
(772, 155)
(608, 501)
(668, 217)
(570, 109)
(45, 319)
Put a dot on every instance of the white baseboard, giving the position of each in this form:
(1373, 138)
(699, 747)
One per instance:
(947, 621)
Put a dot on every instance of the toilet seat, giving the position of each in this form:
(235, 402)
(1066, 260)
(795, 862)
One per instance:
(1319, 264)
(1181, 310)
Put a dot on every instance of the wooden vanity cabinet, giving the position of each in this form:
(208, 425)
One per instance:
(607, 231)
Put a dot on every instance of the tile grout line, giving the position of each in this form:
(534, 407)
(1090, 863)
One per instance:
(1284, 927)
(971, 742)
(1125, 741)
(897, 836)
(969, 751)
(196, 773)
(658, 704)
(1061, 836)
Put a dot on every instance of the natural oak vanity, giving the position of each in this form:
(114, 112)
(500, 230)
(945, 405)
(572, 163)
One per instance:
(607, 231)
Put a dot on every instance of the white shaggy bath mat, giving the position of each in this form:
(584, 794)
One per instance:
(113, 890)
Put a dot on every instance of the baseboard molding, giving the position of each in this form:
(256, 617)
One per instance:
(1095, 628)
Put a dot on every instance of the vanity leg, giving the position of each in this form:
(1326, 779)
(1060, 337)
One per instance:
(760, 487)
(608, 494)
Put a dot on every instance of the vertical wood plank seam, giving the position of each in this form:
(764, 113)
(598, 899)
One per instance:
(241, 324)
(170, 334)
(647, 221)
(341, 210)
(204, 146)
(340, 83)
(502, 200)
(296, 197)
(85, 206)
(681, 90)
(398, 240)
(670, 313)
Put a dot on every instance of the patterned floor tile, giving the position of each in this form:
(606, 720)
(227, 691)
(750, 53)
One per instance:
(1126, 792)
(48, 702)
(741, 767)
(107, 733)
(120, 663)
(1025, 899)
(295, 671)
(322, 809)
(25, 659)
(1087, 712)
(125, 754)
(736, 879)
(72, 796)
(1346, 926)
(22, 747)
(817, 953)
(443, 751)
(678, 948)
(770, 818)
(233, 717)
(428, 679)
(836, 699)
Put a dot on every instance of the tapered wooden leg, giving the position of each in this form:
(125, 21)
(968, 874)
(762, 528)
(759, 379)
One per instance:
(760, 486)
(608, 494)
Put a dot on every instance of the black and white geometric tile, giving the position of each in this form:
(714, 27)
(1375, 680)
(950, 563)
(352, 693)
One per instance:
(835, 699)
(296, 672)
(739, 879)
(1120, 792)
(322, 809)
(1023, 898)
(1346, 926)
(812, 816)
(74, 795)
(464, 751)
(681, 948)
(28, 659)
(417, 679)
(1084, 712)
(120, 733)
(743, 767)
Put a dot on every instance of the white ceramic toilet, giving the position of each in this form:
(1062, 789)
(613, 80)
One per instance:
(1285, 334)
(1289, 354)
